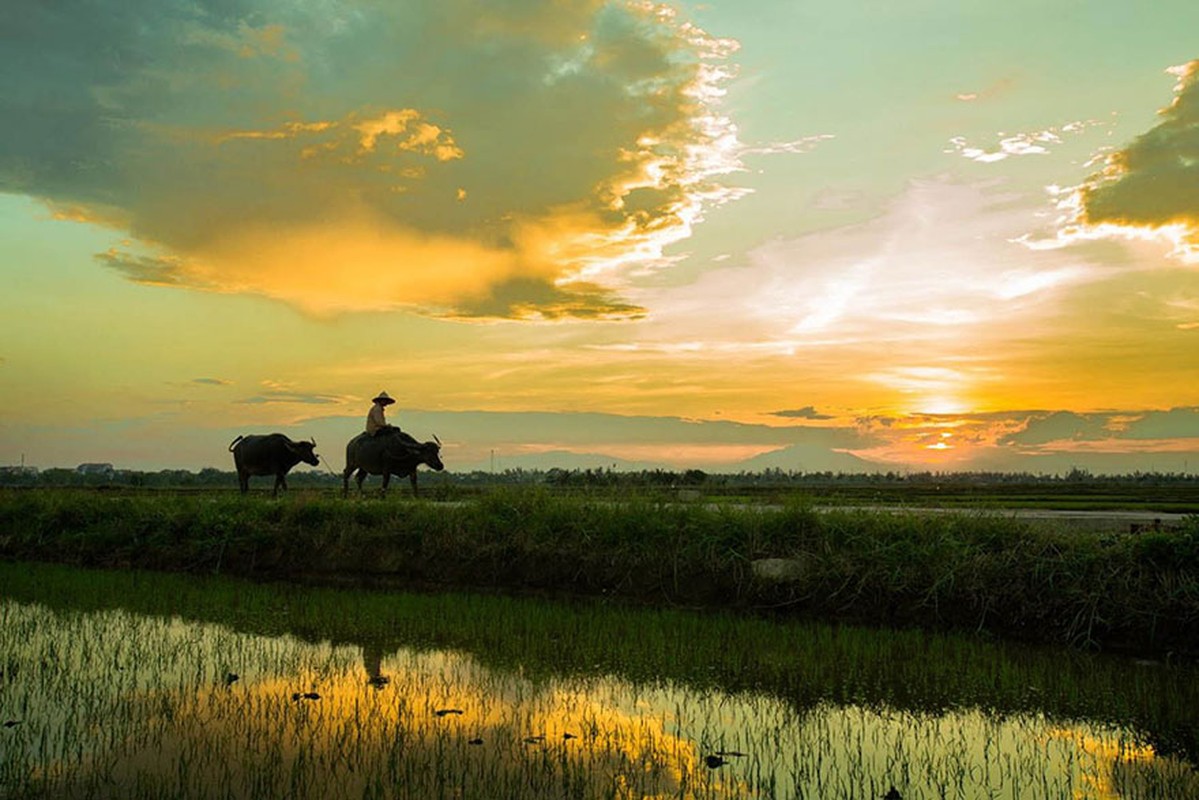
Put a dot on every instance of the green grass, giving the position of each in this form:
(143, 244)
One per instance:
(970, 571)
(1146, 493)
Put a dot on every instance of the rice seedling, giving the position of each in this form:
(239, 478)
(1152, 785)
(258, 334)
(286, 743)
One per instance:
(121, 685)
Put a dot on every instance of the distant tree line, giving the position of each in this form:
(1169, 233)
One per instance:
(608, 477)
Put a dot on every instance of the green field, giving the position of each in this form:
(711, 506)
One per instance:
(1165, 493)
(975, 571)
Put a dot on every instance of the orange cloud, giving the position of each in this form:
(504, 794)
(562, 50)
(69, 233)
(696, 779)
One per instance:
(358, 263)
(339, 265)
(411, 134)
(587, 136)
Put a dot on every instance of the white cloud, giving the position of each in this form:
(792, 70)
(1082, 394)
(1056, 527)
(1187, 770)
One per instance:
(939, 262)
(1030, 143)
(804, 145)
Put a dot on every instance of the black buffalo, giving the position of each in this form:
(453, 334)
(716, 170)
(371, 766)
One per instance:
(392, 453)
(269, 454)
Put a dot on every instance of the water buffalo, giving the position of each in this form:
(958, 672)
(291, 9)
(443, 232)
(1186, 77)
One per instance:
(392, 453)
(269, 454)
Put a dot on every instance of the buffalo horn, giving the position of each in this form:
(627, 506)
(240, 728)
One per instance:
(437, 440)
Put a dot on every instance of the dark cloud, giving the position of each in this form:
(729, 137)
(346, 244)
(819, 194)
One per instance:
(1136, 425)
(152, 271)
(1061, 425)
(212, 381)
(807, 412)
(1175, 423)
(1019, 415)
(280, 397)
(1154, 181)
(531, 298)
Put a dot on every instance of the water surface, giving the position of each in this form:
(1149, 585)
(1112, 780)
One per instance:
(148, 686)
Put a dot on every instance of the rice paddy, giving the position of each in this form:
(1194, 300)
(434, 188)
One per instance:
(130, 685)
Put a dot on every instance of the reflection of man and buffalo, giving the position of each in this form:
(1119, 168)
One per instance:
(381, 449)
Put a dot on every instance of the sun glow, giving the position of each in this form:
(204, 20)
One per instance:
(941, 404)
(943, 444)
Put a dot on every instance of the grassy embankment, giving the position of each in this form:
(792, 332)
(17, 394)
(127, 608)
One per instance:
(968, 571)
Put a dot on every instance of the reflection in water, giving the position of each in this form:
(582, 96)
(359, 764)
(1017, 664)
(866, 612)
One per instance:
(1114, 767)
(115, 704)
(372, 662)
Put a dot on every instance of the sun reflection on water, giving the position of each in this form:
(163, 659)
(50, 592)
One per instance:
(114, 704)
(1112, 767)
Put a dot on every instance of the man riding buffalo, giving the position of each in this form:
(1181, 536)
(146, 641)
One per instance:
(389, 452)
(376, 421)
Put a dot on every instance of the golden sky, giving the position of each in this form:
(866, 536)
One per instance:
(876, 236)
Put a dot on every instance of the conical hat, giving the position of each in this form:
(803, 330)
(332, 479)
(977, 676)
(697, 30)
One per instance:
(383, 399)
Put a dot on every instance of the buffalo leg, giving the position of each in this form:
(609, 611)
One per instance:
(243, 480)
(412, 478)
(360, 477)
(386, 482)
(280, 483)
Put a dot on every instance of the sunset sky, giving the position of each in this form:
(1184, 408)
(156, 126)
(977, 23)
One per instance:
(728, 235)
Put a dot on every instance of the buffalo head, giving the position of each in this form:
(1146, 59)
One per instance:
(432, 452)
(304, 450)
(404, 448)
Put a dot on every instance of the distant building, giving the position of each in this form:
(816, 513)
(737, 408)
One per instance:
(13, 472)
(95, 469)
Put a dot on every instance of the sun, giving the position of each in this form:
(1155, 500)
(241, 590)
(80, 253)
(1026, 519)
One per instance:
(940, 404)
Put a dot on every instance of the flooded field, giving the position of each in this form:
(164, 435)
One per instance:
(126, 685)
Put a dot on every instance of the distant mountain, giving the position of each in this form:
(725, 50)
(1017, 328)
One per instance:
(807, 458)
(796, 458)
(559, 459)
